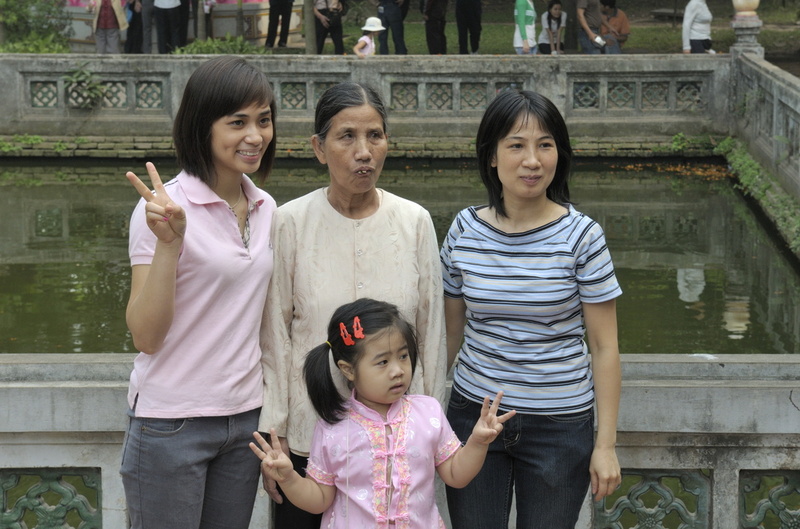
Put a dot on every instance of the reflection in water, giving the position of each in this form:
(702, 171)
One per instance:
(698, 272)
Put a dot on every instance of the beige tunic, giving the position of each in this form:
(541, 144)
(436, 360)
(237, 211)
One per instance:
(324, 260)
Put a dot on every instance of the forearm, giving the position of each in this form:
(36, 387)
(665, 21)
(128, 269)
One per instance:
(152, 306)
(608, 386)
(465, 464)
(455, 311)
(304, 493)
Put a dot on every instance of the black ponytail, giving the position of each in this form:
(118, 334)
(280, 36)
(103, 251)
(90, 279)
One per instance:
(324, 395)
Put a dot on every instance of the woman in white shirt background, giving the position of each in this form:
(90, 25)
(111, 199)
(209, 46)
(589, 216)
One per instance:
(697, 27)
(553, 22)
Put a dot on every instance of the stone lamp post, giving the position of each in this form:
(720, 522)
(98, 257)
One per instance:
(746, 26)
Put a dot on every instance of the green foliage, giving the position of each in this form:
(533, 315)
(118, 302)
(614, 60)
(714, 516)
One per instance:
(756, 182)
(679, 142)
(35, 20)
(224, 46)
(52, 43)
(27, 139)
(84, 87)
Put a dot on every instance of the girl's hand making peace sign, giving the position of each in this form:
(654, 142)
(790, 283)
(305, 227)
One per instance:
(165, 219)
(489, 426)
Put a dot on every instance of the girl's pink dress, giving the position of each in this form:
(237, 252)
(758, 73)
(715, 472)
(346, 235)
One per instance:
(358, 453)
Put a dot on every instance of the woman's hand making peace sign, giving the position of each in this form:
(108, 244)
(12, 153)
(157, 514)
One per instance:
(165, 219)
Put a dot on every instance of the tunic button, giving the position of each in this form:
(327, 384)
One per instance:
(358, 223)
(360, 285)
(359, 252)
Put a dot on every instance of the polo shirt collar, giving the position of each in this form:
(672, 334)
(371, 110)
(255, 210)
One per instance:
(198, 191)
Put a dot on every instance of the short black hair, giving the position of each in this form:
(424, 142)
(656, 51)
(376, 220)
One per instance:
(218, 88)
(503, 113)
(340, 97)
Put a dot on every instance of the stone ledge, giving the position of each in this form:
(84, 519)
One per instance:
(150, 147)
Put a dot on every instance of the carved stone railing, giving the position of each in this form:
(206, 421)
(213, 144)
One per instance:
(709, 441)
(428, 96)
(766, 115)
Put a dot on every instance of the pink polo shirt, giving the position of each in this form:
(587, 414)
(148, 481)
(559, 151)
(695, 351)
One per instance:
(210, 363)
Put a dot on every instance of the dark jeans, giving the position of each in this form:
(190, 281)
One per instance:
(279, 9)
(190, 473)
(287, 516)
(435, 36)
(167, 28)
(391, 16)
(543, 459)
(586, 44)
(335, 30)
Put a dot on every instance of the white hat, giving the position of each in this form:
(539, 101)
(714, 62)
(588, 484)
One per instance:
(373, 24)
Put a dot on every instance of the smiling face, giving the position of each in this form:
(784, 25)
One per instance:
(239, 141)
(383, 371)
(555, 11)
(526, 161)
(354, 150)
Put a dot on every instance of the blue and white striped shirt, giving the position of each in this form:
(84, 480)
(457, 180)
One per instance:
(523, 292)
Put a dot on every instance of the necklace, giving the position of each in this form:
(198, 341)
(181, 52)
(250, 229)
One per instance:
(233, 207)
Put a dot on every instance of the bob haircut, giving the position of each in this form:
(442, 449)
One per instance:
(216, 89)
(343, 96)
(375, 317)
(507, 110)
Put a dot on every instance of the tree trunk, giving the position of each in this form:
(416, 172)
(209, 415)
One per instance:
(239, 19)
(2, 32)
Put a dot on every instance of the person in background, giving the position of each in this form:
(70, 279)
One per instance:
(350, 477)
(553, 21)
(590, 21)
(184, 14)
(696, 32)
(617, 28)
(133, 38)
(328, 20)
(167, 17)
(434, 12)
(365, 47)
(201, 261)
(342, 242)
(524, 27)
(468, 21)
(148, 11)
(279, 11)
(108, 20)
(391, 14)
(530, 292)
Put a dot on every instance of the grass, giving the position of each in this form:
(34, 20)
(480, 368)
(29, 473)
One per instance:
(780, 34)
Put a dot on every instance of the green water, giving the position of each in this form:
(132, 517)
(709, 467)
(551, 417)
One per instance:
(700, 273)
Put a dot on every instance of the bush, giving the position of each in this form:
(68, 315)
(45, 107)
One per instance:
(35, 21)
(225, 46)
(37, 44)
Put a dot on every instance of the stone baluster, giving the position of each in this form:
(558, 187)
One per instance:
(746, 26)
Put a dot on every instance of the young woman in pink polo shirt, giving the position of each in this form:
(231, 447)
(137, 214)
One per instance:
(201, 259)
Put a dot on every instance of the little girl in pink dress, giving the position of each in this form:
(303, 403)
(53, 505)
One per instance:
(374, 454)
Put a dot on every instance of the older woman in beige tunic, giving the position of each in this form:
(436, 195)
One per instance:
(334, 245)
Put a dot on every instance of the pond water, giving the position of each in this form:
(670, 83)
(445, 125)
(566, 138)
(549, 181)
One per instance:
(700, 273)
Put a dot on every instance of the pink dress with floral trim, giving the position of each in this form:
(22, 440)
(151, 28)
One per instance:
(358, 453)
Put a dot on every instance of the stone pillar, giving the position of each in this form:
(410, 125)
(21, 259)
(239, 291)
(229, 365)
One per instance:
(746, 26)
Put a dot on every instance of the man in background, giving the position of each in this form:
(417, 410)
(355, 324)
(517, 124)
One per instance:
(617, 28)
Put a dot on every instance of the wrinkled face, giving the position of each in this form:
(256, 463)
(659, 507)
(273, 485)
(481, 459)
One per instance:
(239, 141)
(354, 150)
(382, 374)
(526, 161)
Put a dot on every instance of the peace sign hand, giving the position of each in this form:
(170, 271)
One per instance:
(165, 219)
(489, 426)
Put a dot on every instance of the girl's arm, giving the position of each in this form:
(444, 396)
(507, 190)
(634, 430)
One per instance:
(360, 45)
(305, 493)
(601, 328)
(465, 464)
(455, 317)
(151, 305)
(521, 8)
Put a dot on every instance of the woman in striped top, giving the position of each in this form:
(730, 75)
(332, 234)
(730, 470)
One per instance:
(525, 279)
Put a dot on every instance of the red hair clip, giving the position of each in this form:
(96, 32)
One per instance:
(358, 330)
(346, 338)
